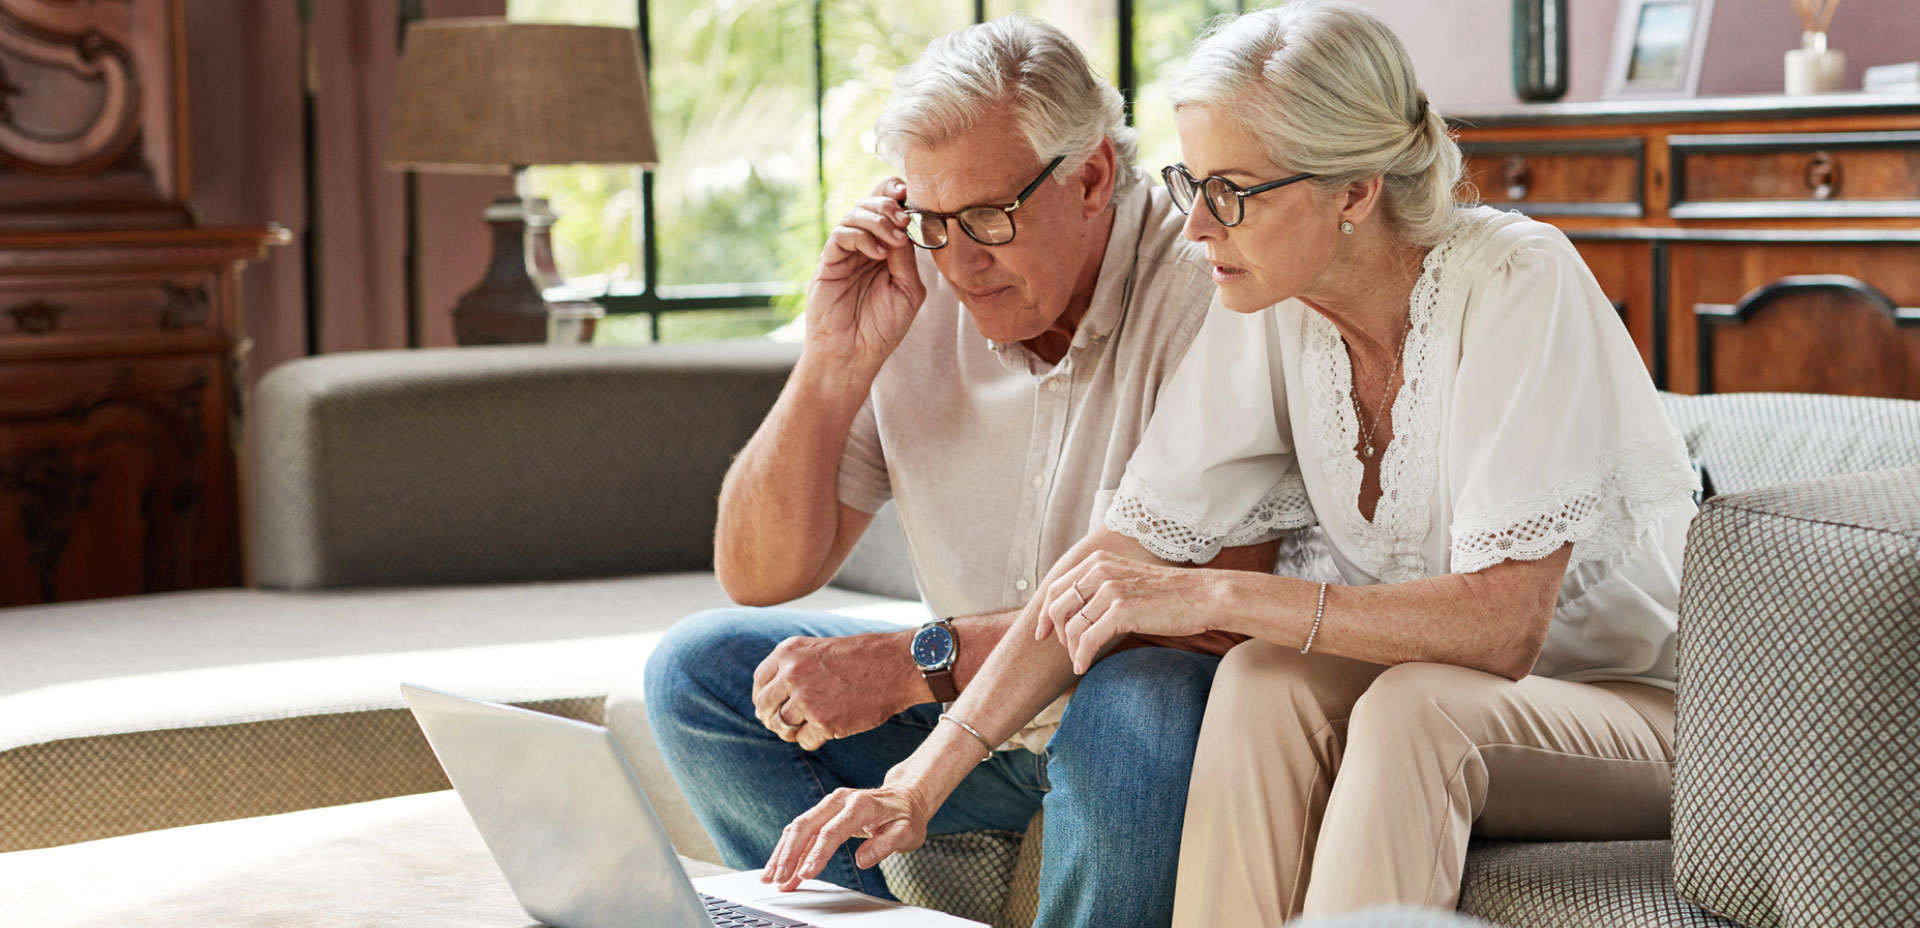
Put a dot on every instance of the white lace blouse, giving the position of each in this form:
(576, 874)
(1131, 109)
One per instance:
(1526, 422)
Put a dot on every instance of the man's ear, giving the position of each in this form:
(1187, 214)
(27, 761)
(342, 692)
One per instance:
(1095, 181)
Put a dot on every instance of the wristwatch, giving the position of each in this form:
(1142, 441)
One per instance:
(934, 649)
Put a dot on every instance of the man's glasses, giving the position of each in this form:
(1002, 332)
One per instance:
(1225, 199)
(988, 225)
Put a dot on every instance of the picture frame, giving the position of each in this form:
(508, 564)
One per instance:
(1657, 48)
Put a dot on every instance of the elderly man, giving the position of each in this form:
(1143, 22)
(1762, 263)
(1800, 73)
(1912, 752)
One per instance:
(999, 431)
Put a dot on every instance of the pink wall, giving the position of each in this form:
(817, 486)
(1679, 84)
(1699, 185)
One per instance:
(1461, 47)
(243, 91)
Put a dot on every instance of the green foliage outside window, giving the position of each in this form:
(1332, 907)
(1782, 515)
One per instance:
(738, 189)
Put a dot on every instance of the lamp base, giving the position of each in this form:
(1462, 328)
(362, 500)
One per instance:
(506, 306)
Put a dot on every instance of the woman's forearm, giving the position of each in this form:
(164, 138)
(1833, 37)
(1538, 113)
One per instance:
(1494, 620)
(1021, 677)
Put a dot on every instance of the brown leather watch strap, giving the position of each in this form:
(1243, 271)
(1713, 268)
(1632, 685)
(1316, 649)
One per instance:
(942, 684)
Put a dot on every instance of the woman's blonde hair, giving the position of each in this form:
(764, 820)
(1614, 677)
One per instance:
(1328, 88)
(1014, 64)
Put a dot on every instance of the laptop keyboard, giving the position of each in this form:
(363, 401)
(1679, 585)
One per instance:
(727, 914)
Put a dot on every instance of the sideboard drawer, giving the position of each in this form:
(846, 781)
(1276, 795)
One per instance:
(1591, 177)
(1796, 175)
(41, 309)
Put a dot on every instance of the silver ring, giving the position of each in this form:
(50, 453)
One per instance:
(1083, 596)
(787, 727)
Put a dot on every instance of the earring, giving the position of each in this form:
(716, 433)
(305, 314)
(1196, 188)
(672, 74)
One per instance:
(1346, 228)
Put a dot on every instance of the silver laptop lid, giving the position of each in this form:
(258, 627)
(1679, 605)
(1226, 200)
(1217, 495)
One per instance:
(562, 812)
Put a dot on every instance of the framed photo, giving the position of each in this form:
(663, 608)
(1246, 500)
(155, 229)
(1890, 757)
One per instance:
(1657, 47)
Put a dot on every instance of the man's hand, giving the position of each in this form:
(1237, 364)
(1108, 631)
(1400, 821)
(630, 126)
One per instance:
(1107, 597)
(813, 690)
(867, 288)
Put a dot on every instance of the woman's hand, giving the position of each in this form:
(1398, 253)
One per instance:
(1106, 597)
(890, 818)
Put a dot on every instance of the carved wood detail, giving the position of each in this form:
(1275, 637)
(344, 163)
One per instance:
(52, 495)
(37, 317)
(56, 486)
(185, 308)
(69, 94)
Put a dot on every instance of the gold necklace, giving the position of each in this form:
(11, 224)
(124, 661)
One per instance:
(1367, 449)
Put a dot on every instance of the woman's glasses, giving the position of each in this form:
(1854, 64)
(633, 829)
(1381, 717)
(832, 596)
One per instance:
(988, 225)
(1225, 199)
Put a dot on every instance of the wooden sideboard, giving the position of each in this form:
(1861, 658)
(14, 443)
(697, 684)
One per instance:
(120, 337)
(1750, 243)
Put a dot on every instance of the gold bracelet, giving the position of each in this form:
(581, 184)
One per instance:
(944, 717)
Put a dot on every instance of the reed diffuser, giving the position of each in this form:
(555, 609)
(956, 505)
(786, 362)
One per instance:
(1813, 67)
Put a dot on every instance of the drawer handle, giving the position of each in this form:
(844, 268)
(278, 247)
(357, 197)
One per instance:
(38, 317)
(1822, 176)
(1518, 178)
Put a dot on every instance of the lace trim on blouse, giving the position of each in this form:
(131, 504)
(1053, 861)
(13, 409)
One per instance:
(1177, 534)
(1390, 544)
(1601, 512)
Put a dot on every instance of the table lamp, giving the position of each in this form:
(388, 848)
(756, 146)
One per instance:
(490, 96)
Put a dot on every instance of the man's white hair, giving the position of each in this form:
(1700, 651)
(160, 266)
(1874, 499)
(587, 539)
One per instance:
(1327, 88)
(1015, 64)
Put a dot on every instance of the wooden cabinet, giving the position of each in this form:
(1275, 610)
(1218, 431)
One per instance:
(119, 318)
(1750, 243)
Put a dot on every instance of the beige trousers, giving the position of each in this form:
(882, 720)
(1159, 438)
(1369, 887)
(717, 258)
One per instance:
(1325, 785)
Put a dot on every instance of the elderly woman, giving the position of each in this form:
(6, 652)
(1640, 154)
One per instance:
(1447, 394)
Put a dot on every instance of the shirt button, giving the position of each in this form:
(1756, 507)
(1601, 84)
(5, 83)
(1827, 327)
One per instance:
(1020, 584)
(1039, 481)
(1053, 386)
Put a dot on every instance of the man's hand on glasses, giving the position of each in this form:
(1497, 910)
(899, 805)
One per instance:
(867, 288)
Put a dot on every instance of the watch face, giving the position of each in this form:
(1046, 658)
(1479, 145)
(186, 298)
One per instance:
(932, 647)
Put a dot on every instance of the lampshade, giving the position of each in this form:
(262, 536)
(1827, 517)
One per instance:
(484, 95)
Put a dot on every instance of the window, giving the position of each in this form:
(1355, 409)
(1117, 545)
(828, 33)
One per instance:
(763, 111)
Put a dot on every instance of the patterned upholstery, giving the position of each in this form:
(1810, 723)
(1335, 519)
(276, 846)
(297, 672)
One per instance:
(80, 789)
(1620, 884)
(965, 874)
(487, 465)
(1796, 801)
(1750, 440)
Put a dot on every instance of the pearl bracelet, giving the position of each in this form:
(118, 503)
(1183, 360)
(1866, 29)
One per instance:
(1318, 611)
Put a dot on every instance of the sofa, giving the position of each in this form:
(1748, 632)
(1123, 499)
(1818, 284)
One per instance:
(517, 524)
(520, 524)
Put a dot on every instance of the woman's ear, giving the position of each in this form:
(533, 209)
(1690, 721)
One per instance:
(1361, 198)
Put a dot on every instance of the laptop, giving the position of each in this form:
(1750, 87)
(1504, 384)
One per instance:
(581, 847)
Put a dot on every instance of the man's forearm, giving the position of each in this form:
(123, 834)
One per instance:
(975, 637)
(780, 502)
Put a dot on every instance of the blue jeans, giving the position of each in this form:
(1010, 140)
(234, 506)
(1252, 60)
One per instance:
(1113, 781)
